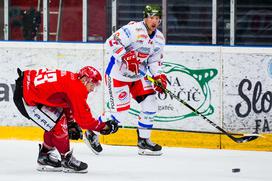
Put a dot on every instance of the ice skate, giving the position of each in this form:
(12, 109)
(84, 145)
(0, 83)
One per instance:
(147, 147)
(71, 165)
(92, 141)
(48, 161)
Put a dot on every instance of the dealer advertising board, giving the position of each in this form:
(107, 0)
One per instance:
(229, 85)
(247, 96)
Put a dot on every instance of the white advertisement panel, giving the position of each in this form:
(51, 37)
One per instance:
(193, 74)
(247, 96)
(229, 85)
(33, 55)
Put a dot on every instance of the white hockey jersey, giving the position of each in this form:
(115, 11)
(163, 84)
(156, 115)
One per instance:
(134, 36)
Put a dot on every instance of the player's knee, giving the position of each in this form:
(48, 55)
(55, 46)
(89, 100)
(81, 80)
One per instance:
(61, 128)
(121, 116)
(149, 104)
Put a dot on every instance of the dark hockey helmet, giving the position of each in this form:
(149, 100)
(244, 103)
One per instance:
(152, 10)
(93, 74)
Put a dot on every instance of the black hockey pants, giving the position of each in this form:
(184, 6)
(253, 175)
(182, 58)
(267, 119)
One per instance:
(18, 94)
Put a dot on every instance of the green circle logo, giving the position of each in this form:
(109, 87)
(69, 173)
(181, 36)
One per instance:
(196, 92)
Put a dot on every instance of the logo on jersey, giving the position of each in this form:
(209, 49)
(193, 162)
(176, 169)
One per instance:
(156, 49)
(139, 29)
(127, 32)
(117, 34)
(122, 95)
(140, 41)
(143, 50)
(158, 43)
(142, 55)
(159, 37)
(111, 103)
(140, 36)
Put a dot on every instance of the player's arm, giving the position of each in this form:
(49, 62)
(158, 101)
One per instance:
(74, 130)
(155, 67)
(117, 43)
(83, 116)
(155, 60)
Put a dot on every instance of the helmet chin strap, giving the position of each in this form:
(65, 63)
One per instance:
(84, 81)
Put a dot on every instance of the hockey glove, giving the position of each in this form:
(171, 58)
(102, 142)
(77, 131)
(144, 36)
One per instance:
(161, 80)
(74, 131)
(111, 127)
(131, 61)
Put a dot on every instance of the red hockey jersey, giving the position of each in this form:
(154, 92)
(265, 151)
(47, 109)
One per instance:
(57, 88)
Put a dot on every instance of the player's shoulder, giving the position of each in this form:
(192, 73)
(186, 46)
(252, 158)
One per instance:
(133, 25)
(159, 37)
(131, 28)
(68, 77)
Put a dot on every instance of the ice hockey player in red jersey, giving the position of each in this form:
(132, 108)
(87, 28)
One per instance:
(56, 100)
(135, 49)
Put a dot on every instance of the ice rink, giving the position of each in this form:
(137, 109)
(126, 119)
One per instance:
(117, 163)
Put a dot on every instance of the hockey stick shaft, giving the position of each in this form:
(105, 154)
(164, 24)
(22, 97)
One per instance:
(171, 130)
(237, 140)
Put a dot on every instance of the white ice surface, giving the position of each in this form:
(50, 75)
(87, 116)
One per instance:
(118, 163)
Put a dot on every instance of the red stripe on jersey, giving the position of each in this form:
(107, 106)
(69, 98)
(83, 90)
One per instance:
(142, 55)
(119, 50)
(123, 108)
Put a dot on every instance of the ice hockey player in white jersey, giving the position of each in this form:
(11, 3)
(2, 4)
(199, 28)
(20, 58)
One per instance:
(135, 49)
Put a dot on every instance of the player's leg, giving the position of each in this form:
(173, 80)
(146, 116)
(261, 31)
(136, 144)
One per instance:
(144, 94)
(58, 137)
(48, 160)
(145, 123)
(46, 118)
(61, 141)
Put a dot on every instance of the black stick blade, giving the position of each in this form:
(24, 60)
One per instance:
(245, 139)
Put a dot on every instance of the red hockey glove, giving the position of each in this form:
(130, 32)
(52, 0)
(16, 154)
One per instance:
(130, 59)
(161, 79)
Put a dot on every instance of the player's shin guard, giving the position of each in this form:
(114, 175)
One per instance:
(145, 145)
(48, 161)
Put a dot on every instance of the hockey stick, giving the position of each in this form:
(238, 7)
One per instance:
(243, 139)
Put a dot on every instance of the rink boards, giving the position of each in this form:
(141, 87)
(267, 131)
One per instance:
(229, 85)
(165, 138)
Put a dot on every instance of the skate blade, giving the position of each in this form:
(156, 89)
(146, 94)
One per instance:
(69, 170)
(47, 168)
(86, 141)
(149, 152)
